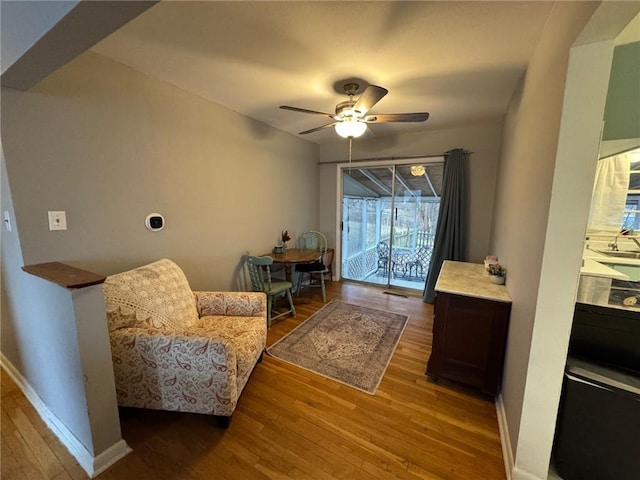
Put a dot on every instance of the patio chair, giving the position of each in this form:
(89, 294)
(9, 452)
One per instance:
(420, 261)
(312, 240)
(383, 256)
(260, 275)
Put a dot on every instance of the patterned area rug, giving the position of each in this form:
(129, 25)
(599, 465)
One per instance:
(347, 343)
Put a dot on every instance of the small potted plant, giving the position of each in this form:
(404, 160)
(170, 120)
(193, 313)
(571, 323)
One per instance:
(497, 273)
(285, 238)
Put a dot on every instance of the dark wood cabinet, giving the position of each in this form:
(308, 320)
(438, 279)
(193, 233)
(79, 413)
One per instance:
(469, 338)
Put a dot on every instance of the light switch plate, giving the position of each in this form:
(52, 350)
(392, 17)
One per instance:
(57, 220)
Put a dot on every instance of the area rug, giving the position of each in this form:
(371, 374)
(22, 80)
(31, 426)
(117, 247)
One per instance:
(347, 343)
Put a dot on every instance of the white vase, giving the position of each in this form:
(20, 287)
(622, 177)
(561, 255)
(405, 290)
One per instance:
(496, 279)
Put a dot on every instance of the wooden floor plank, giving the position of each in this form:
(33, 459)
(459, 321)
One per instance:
(46, 459)
(19, 450)
(11, 462)
(71, 467)
(293, 424)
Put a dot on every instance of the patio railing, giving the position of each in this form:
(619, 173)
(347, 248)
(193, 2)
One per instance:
(360, 265)
(363, 264)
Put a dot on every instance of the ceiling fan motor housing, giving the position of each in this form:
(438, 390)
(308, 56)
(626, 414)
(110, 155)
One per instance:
(351, 88)
(345, 110)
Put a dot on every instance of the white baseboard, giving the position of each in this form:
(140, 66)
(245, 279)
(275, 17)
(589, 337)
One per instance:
(507, 453)
(90, 464)
(110, 456)
(522, 475)
(513, 472)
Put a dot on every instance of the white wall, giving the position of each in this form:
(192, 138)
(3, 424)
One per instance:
(109, 146)
(94, 350)
(483, 139)
(10, 262)
(544, 186)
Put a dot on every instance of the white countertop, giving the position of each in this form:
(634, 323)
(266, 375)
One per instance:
(469, 280)
(597, 264)
(594, 268)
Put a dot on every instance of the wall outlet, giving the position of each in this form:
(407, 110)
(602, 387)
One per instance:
(57, 220)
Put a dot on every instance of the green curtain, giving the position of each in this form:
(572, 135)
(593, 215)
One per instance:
(451, 231)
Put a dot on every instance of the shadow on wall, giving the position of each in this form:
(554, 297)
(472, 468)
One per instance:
(240, 281)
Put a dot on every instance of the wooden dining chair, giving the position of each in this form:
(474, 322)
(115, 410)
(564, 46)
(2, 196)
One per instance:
(260, 274)
(328, 263)
(312, 240)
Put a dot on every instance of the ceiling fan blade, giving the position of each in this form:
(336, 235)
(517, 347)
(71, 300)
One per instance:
(318, 128)
(397, 117)
(304, 110)
(371, 95)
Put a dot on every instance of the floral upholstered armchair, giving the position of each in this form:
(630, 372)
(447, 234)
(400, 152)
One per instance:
(174, 349)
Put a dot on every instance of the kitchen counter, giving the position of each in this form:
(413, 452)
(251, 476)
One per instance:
(594, 268)
(601, 282)
(606, 259)
(469, 280)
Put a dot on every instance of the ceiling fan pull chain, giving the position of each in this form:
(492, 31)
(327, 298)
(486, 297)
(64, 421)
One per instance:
(350, 143)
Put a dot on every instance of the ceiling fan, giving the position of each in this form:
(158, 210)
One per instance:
(352, 116)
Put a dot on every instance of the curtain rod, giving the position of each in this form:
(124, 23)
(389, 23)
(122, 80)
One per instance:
(375, 159)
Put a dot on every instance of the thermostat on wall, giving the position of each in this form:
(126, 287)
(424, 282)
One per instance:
(154, 222)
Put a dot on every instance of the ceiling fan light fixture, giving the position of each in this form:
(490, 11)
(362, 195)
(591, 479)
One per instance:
(350, 128)
(351, 117)
(417, 170)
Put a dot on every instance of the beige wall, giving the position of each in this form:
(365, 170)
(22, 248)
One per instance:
(109, 146)
(483, 139)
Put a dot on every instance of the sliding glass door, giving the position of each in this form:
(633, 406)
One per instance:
(389, 216)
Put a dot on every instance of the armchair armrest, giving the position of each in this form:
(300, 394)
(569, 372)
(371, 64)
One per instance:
(191, 371)
(176, 349)
(233, 304)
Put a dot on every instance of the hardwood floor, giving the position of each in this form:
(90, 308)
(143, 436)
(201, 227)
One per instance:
(293, 424)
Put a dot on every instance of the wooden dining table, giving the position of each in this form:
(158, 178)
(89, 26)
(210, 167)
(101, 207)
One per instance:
(292, 256)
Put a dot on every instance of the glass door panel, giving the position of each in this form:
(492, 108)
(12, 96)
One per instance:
(389, 216)
(366, 224)
(415, 215)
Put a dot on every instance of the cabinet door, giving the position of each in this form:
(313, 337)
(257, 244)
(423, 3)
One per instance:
(469, 341)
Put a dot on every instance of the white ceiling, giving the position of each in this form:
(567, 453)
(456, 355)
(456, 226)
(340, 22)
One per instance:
(459, 61)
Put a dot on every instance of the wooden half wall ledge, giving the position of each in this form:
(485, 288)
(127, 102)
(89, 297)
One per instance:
(64, 275)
